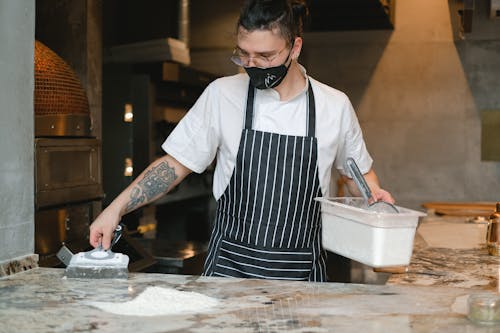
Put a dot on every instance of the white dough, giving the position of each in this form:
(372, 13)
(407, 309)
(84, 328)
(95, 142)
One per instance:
(157, 301)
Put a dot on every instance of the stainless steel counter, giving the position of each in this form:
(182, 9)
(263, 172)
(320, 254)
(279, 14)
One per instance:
(42, 300)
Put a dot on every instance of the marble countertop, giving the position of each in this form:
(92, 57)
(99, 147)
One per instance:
(451, 251)
(43, 300)
(449, 262)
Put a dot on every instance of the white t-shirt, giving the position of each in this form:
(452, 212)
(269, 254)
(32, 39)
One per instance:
(213, 127)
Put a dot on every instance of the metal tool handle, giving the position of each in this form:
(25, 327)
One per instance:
(359, 179)
(374, 205)
(117, 235)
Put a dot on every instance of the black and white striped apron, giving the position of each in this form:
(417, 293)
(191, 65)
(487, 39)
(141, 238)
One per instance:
(267, 223)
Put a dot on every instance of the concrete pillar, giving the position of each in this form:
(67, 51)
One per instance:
(17, 30)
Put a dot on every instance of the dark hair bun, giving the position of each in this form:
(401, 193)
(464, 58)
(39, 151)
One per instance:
(300, 13)
(287, 15)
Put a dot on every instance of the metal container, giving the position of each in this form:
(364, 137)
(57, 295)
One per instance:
(493, 233)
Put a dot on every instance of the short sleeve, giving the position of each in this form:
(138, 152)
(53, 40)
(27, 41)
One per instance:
(194, 141)
(352, 142)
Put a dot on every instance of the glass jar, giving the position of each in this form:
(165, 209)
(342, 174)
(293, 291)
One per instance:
(484, 308)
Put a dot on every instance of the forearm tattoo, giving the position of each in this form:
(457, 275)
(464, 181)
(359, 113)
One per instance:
(156, 181)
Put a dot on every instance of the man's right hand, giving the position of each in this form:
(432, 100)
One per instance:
(156, 180)
(103, 228)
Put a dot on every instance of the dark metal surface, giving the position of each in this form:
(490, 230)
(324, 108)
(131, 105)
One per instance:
(63, 225)
(139, 258)
(67, 170)
(65, 255)
(62, 125)
(179, 257)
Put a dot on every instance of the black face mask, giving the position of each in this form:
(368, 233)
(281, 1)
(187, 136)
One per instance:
(265, 78)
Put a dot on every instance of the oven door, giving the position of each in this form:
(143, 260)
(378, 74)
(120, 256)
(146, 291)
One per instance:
(67, 170)
(62, 225)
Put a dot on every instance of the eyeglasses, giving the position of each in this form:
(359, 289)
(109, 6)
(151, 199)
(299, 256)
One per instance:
(241, 58)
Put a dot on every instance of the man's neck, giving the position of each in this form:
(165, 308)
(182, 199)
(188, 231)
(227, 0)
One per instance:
(293, 83)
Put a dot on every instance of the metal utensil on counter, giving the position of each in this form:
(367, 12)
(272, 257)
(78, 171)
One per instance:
(101, 253)
(372, 204)
(97, 263)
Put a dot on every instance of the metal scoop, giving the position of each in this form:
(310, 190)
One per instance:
(373, 205)
(99, 253)
(96, 264)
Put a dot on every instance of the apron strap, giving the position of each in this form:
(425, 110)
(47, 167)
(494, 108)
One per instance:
(311, 109)
(249, 110)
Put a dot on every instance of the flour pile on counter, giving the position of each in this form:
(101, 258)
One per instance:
(157, 301)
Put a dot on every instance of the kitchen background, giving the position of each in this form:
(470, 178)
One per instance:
(426, 91)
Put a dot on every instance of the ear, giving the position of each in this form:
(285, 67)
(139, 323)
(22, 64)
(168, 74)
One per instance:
(297, 47)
